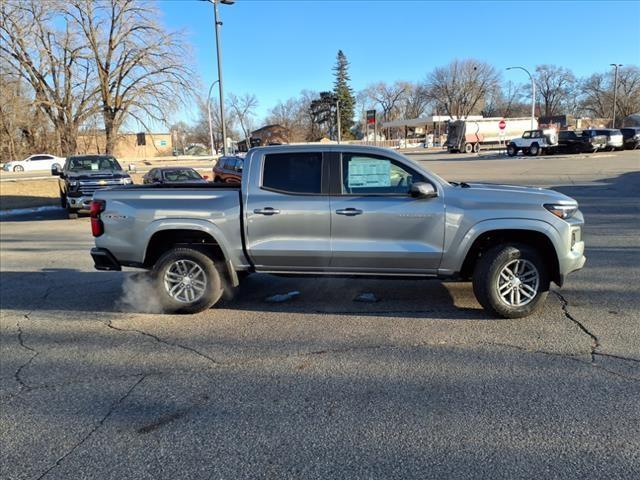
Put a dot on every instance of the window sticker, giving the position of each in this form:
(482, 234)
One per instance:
(369, 172)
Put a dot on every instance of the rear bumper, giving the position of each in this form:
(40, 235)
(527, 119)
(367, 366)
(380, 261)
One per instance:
(103, 259)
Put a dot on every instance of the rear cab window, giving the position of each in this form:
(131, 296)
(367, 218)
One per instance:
(293, 173)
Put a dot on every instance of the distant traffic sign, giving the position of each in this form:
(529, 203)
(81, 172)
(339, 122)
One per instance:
(371, 117)
(502, 124)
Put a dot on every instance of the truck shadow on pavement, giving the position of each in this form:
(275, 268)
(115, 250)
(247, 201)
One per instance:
(110, 292)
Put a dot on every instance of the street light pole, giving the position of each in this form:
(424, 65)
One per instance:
(615, 92)
(210, 123)
(219, 60)
(338, 115)
(533, 95)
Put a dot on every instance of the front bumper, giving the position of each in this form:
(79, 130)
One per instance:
(82, 202)
(103, 259)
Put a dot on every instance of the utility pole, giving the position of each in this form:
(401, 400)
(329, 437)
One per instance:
(615, 92)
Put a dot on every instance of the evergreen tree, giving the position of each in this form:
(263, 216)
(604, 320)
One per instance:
(344, 93)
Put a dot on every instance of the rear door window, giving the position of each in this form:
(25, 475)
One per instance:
(296, 173)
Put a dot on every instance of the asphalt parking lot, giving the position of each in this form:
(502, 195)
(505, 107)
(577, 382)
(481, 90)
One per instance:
(421, 384)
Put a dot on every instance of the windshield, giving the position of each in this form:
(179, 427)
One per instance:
(181, 175)
(77, 164)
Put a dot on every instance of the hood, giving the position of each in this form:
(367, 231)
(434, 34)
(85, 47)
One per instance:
(514, 193)
(96, 174)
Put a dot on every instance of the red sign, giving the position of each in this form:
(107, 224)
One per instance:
(371, 117)
(502, 124)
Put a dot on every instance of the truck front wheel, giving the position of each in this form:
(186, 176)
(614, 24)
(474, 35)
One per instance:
(511, 280)
(187, 281)
(468, 148)
(512, 151)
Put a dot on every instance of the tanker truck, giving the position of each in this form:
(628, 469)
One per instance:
(469, 135)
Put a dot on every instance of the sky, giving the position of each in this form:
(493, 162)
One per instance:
(275, 49)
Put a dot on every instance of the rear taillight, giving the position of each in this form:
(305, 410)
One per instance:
(97, 207)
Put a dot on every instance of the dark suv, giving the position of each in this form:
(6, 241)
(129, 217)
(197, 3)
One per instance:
(82, 175)
(580, 141)
(631, 136)
(228, 170)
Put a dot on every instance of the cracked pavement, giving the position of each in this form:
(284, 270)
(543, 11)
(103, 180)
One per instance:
(421, 384)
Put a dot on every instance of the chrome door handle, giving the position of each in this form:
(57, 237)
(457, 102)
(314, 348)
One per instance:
(266, 211)
(350, 212)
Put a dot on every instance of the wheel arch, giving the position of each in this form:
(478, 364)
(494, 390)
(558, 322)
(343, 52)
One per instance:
(193, 235)
(484, 235)
(533, 238)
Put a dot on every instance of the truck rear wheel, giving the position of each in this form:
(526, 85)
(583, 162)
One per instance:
(511, 280)
(476, 147)
(468, 147)
(187, 281)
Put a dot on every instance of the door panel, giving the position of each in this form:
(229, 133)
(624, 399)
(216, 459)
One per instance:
(388, 231)
(289, 230)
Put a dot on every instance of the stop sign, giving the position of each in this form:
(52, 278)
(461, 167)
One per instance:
(502, 124)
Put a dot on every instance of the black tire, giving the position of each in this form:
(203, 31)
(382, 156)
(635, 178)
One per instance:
(512, 150)
(534, 150)
(476, 147)
(214, 281)
(468, 148)
(72, 213)
(487, 273)
(18, 168)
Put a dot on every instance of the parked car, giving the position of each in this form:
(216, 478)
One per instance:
(173, 175)
(580, 141)
(631, 137)
(228, 169)
(40, 161)
(614, 137)
(83, 175)
(534, 142)
(340, 210)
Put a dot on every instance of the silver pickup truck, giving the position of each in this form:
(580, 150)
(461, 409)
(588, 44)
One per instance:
(340, 210)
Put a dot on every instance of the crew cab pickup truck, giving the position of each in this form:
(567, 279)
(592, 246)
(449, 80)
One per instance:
(82, 176)
(534, 142)
(339, 210)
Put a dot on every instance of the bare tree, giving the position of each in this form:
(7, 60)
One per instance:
(52, 61)
(142, 70)
(416, 100)
(555, 85)
(597, 93)
(388, 97)
(291, 115)
(244, 108)
(461, 87)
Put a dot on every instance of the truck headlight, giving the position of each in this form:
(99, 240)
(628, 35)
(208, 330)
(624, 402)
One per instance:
(127, 181)
(562, 211)
(74, 183)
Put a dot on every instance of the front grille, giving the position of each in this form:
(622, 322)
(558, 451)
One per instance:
(88, 187)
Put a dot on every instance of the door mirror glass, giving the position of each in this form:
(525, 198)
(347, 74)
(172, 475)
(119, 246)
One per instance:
(423, 190)
(55, 170)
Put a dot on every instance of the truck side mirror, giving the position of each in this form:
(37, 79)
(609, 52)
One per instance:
(423, 190)
(55, 170)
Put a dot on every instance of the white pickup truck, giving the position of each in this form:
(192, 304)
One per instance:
(534, 142)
